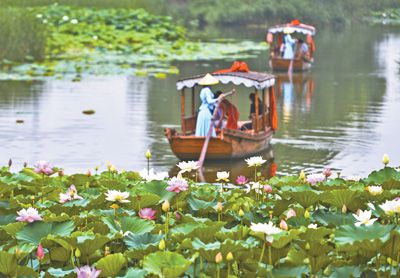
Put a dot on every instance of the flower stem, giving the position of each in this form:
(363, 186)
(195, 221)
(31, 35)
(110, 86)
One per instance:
(218, 271)
(270, 255)
(262, 251)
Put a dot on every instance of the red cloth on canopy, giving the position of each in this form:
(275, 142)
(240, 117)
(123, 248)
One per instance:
(236, 66)
(274, 113)
(295, 22)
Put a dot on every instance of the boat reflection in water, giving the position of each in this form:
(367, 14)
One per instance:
(236, 167)
(292, 88)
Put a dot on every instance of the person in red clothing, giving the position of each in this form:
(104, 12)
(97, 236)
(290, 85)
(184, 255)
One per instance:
(228, 114)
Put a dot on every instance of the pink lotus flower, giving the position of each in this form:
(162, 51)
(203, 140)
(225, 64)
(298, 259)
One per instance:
(147, 213)
(315, 178)
(40, 252)
(283, 225)
(43, 167)
(177, 184)
(267, 188)
(327, 172)
(87, 272)
(241, 180)
(28, 215)
(71, 194)
(291, 213)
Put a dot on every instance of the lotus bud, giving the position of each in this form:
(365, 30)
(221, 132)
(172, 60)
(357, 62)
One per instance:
(40, 252)
(229, 257)
(291, 213)
(17, 252)
(267, 188)
(307, 246)
(161, 245)
(219, 207)
(25, 164)
(283, 225)
(344, 209)
(9, 163)
(109, 165)
(306, 261)
(32, 198)
(302, 175)
(271, 214)
(177, 216)
(113, 169)
(148, 154)
(77, 252)
(385, 159)
(307, 214)
(114, 206)
(89, 173)
(218, 258)
(106, 251)
(165, 206)
(96, 168)
(327, 172)
(241, 212)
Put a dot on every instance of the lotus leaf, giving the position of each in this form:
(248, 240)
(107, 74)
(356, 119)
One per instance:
(141, 241)
(350, 234)
(33, 233)
(166, 264)
(134, 272)
(111, 265)
(126, 224)
(57, 272)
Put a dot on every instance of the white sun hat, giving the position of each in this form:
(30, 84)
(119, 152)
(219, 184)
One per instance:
(208, 79)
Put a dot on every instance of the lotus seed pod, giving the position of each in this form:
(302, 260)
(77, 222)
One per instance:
(165, 206)
(106, 251)
(148, 154)
(229, 257)
(77, 252)
(241, 213)
(308, 246)
(161, 245)
(218, 258)
(306, 214)
(344, 209)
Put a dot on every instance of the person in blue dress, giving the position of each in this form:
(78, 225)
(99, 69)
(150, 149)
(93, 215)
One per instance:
(289, 45)
(208, 103)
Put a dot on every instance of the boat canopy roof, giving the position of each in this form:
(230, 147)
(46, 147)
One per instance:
(258, 80)
(291, 28)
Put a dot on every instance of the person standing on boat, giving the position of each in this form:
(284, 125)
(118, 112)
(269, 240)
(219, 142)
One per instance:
(290, 44)
(208, 102)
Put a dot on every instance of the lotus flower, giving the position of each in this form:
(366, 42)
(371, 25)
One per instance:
(40, 252)
(188, 166)
(43, 167)
(391, 207)
(374, 190)
(327, 172)
(147, 213)
(268, 229)
(117, 196)
(257, 187)
(223, 176)
(312, 226)
(71, 194)
(255, 161)
(385, 159)
(177, 184)
(28, 215)
(152, 176)
(87, 272)
(283, 225)
(291, 213)
(241, 180)
(364, 217)
(267, 188)
(315, 178)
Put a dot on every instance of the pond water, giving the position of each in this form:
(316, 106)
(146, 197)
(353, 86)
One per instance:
(343, 114)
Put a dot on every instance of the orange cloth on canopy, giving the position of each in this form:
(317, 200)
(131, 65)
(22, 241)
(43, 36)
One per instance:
(274, 114)
(236, 66)
(295, 22)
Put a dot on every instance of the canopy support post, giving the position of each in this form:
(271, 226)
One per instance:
(193, 102)
(264, 121)
(183, 111)
(256, 108)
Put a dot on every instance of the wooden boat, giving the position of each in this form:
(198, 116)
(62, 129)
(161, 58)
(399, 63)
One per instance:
(275, 37)
(229, 143)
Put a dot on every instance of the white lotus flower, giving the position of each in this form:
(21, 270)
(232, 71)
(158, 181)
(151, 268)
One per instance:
(255, 161)
(223, 176)
(391, 206)
(364, 217)
(268, 229)
(74, 21)
(188, 166)
(117, 196)
(374, 190)
(312, 226)
(153, 176)
(257, 187)
(65, 18)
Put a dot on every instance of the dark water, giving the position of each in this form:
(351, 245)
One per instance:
(344, 114)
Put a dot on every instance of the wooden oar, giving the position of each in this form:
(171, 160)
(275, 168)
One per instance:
(207, 140)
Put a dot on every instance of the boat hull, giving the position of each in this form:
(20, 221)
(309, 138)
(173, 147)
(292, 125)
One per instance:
(231, 145)
(279, 64)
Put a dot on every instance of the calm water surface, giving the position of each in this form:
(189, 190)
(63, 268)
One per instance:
(344, 114)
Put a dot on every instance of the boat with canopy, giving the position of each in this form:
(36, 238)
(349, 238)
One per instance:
(229, 142)
(275, 38)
